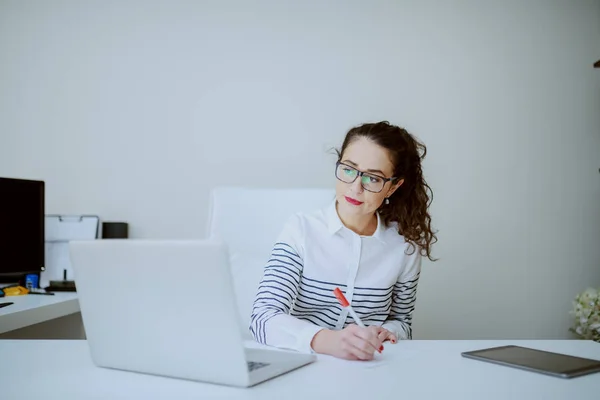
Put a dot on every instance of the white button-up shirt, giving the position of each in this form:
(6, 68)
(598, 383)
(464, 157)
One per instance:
(316, 253)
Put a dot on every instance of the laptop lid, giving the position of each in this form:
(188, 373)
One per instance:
(160, 307)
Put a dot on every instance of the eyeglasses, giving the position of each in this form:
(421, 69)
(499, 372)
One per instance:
(369, 182)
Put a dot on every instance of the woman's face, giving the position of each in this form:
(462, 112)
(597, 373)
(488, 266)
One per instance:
(363, 155)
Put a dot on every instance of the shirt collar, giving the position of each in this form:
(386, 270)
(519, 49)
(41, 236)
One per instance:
(335, 224)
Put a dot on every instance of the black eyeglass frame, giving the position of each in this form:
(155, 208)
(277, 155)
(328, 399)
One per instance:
(360, 174)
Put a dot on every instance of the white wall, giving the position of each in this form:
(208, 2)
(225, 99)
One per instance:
(135, 110)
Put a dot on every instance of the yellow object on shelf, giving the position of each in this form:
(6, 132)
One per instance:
(15, 290)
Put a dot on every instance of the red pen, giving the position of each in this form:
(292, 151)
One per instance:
(345, 304)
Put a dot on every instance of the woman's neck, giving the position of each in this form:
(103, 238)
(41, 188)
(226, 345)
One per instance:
(364, 225)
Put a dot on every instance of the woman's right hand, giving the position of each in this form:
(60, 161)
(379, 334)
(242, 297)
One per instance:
(350, 343)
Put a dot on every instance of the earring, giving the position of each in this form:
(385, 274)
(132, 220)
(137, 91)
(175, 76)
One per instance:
(387, 201)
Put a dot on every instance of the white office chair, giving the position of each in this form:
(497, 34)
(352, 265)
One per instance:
(249, 221)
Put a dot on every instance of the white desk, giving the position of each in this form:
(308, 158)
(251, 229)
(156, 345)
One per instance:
(29, 310)
(412, 370)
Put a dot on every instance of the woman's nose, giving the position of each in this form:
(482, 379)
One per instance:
(357, 185)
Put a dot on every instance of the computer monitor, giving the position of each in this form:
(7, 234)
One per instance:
(21, 228)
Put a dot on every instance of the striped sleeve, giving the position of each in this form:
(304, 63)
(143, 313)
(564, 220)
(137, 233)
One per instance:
(270, 322)
(404, 296)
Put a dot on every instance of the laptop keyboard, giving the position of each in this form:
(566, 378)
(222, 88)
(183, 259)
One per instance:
(252, 366)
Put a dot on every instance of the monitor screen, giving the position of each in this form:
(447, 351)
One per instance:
(21, 227)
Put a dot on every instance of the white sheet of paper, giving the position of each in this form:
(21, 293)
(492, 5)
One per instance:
(378, 361)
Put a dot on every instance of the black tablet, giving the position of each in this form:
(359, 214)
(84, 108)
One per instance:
(545, 362)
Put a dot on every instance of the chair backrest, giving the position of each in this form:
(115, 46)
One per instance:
(249, 221)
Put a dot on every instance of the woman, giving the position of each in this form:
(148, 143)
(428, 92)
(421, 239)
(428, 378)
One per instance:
(368, 242)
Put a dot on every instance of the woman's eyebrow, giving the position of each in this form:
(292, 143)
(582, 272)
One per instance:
(368, 170)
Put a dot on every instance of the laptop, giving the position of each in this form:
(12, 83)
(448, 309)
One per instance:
(167, 307)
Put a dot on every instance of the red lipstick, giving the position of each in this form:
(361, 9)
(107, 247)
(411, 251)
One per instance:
(353, 201)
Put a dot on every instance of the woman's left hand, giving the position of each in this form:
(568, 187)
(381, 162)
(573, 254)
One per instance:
(385, 335)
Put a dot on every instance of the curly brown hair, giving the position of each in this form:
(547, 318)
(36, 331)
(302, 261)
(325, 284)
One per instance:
(409, 204)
